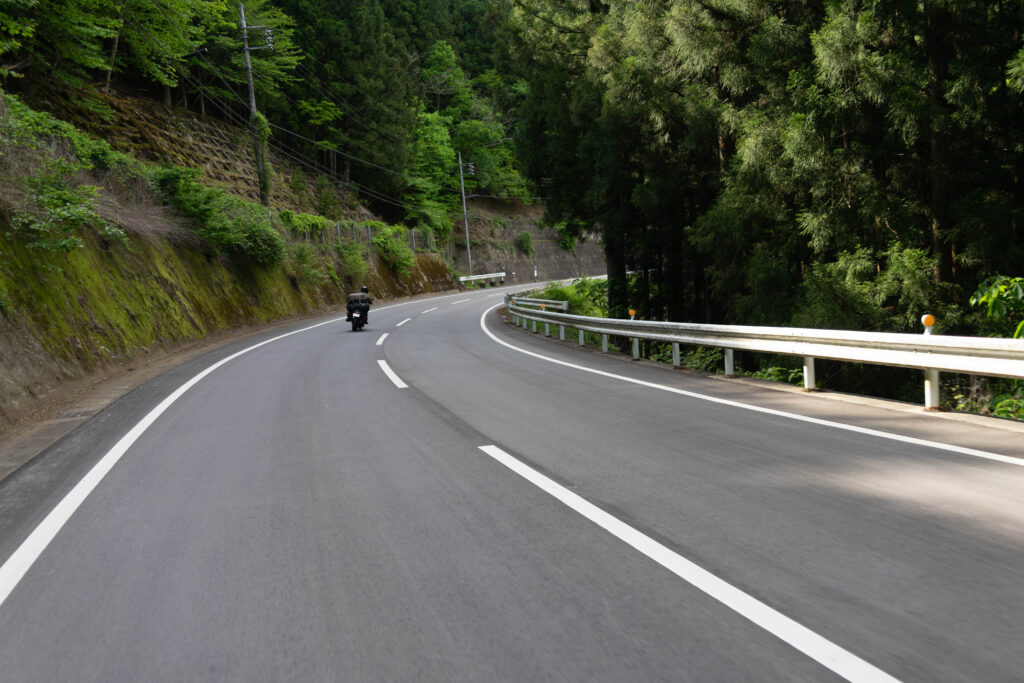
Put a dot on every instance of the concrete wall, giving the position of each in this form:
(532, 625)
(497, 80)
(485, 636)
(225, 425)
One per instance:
(494, 227)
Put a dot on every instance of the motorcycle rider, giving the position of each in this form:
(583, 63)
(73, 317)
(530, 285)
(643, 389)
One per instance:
(359, 302)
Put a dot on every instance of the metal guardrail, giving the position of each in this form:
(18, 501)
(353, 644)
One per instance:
(932, 353)
(543, 304)
(499, 277)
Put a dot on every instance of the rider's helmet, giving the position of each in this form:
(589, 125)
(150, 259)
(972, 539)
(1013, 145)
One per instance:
(364, 289)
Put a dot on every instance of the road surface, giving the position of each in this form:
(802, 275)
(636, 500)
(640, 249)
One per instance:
(444, 497)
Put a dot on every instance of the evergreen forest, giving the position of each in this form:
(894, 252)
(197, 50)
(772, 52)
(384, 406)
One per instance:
(844, 164)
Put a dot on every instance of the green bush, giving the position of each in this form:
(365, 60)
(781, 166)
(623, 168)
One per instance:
(389, 242)
(585, 296)
(352, 256)
(704, 358)
(236, 227)
(42, 158)
(305, 266)
(780, 374)
(306, 224)
(524, 241)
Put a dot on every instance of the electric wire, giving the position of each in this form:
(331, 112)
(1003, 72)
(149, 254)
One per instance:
(281, 149)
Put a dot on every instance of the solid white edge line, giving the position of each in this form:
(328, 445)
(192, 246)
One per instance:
(32, 547)
(429, 310)
(962, 450)
(403, 322)
(382, 338)
(395, 379)
(22, 559)
(818, 648)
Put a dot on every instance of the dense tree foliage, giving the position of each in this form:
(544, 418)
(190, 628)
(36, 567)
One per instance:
(843, 164)
(849, 163)
(345, 86)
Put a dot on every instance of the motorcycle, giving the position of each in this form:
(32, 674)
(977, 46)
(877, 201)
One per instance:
(357, 321)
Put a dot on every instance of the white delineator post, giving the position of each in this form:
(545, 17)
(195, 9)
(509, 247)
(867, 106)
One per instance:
(808, 373)
(931, 377)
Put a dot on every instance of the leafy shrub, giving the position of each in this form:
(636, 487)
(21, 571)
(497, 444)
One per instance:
(707, 359)
(305, 266)
(352, 256)
(585, 296)
(234, 226)
(780, 374)
(42, 157)
(1003, 298)
(307, 224)
(524, 241)
(389, 242)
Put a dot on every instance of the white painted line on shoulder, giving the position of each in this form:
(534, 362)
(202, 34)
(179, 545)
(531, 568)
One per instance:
(382, 338)
(32, 547)
(460, 301)
(22, 559)
(395, 379)
(403, 322)
(429, 310)
(818, 648)
(493, 295)
(973, 452)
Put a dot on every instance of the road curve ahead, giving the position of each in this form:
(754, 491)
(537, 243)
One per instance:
(444, 497)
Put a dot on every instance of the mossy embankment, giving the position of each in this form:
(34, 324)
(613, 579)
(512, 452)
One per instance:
(64, 316)
(105, 259)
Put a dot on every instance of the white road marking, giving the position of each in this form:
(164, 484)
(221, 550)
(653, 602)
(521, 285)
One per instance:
(429, 310)
(32, 547)
(821, 650)
(460, 301)
(395, 379)
(22, 559)
(973, 452)
(403, 322)
(492, 295)
(382, 338)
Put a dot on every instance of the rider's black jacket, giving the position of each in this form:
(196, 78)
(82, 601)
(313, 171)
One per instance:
(360, 301)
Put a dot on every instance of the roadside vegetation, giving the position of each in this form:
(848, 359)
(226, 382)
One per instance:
(1001, 397)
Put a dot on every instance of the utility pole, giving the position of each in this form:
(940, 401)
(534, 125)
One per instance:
(260, 170)
(465, 216)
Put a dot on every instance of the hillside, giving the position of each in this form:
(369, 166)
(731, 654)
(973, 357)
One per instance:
(141, 280)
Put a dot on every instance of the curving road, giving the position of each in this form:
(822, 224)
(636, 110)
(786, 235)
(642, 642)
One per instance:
(462, 500)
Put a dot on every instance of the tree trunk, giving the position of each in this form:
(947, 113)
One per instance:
(938, 54)
(615, 255)
(110, 68)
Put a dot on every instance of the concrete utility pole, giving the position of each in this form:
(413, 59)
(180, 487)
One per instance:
(465, 216)
(260, 171)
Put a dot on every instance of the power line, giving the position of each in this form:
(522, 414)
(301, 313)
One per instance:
(295, 156)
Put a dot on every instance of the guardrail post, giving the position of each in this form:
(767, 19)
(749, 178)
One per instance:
(730, 365)
(675, 354)
(636, 348)
(931, 389)
(604, 343)
(524, 323)
(547, 330)
(808, 373)
(535, 327)
(931, 377)
(561, 332)
(582, 340)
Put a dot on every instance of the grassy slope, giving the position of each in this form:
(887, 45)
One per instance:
(65, 315)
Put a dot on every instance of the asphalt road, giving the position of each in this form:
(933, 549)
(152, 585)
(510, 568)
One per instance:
(478, 513)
